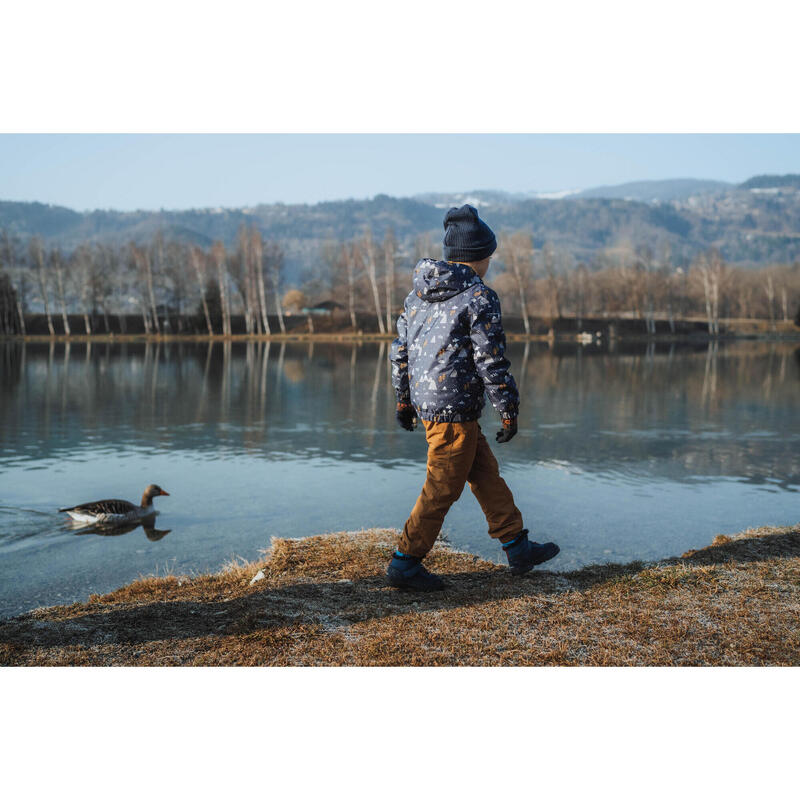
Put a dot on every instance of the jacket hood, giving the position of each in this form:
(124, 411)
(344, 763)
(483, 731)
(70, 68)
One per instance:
(436, 281)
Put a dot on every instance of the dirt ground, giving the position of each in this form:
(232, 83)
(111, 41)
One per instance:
(324, 601)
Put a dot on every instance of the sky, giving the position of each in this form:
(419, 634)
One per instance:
(177, 171)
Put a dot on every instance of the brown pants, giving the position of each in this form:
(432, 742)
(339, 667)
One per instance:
(458, 453)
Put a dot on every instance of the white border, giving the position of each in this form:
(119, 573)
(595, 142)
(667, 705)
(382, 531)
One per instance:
(399, 732)
(360, 66)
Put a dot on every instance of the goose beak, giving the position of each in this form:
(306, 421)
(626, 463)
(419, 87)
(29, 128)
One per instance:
(166, 494)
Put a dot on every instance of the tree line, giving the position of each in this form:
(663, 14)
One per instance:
(643, 283)
(177, 287)
(171, 284)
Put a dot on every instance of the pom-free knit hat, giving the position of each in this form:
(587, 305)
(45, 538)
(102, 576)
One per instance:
(466, 236)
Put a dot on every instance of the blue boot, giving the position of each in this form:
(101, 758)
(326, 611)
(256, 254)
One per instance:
(407, 572)
(523, 555)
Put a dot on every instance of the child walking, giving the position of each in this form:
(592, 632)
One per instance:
(449, 350)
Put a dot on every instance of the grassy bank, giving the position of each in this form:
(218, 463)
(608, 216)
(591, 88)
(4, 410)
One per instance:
(324, 601)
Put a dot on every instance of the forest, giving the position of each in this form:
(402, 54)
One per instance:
(169, 286)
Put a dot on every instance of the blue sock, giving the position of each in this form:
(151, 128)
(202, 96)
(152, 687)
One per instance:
(407, 562)
(515, 540)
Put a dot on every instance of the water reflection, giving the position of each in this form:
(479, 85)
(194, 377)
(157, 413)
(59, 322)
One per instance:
(152, 533)
(710, 410)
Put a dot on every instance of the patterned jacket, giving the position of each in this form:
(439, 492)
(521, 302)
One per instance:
(450, 346)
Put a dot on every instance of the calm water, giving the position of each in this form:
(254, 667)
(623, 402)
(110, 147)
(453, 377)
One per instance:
(639, 453)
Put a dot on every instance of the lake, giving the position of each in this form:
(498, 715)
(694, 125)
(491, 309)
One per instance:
(639, 453)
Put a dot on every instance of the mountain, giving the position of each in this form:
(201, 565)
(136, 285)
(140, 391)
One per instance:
(754, 223)
(657, 191)
(772, 182)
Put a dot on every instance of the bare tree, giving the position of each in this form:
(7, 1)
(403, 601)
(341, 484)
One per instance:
(548, 255)
(340, 264)
(154, 264)
(769, 290)
(15, 268)
(317, 281)
(581, 279)
(520, 260)
(643, 270)
(244, 277)
(83, 269)
(142, 266)
(37, 257)
(147, 268)
(107, 276)
(711, 269)
(237, 272)
(198, 259)
(9, 322)
(175, 272)
(257, 246)
(349, 255)
(220, 260)
(669, 282)
(57, 265)
(274, 268)
(124, 285)
(368, 246)
(389, 251)
(423, 248)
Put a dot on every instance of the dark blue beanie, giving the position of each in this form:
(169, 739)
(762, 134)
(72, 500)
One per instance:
(466, 236)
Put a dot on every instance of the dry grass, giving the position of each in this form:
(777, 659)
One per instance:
(324, 601)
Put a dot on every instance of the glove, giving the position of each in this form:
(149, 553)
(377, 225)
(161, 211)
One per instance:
(406, 416)
(509, 430)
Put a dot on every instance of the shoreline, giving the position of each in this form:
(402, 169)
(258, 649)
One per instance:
(323, 600)
(348, 337)
(597, 331)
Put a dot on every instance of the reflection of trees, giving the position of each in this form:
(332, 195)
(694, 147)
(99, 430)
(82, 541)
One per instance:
(12, 360)
(294, 370)
(713, 410)
(710, 375)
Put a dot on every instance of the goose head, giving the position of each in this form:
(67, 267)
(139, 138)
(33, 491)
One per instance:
(150, 492)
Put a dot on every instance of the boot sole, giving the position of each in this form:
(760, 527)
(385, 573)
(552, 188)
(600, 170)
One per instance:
(397, 583)
(526, 569)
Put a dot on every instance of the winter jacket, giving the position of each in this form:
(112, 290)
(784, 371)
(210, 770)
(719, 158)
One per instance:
(450, 346)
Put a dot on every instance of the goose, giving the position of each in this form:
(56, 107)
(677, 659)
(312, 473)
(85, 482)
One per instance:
(116, 512)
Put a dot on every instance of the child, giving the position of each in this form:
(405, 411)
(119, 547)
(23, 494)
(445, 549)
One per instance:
(449, 350)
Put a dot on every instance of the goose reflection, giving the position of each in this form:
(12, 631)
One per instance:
(99, 529)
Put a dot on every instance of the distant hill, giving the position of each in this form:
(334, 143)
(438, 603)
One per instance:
(772, 182)
(657, 191)
(754, 223)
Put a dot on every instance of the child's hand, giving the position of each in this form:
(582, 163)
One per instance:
(406, 416)
(509, 430)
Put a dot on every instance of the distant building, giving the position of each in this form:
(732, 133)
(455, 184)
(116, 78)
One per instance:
(325, 307)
